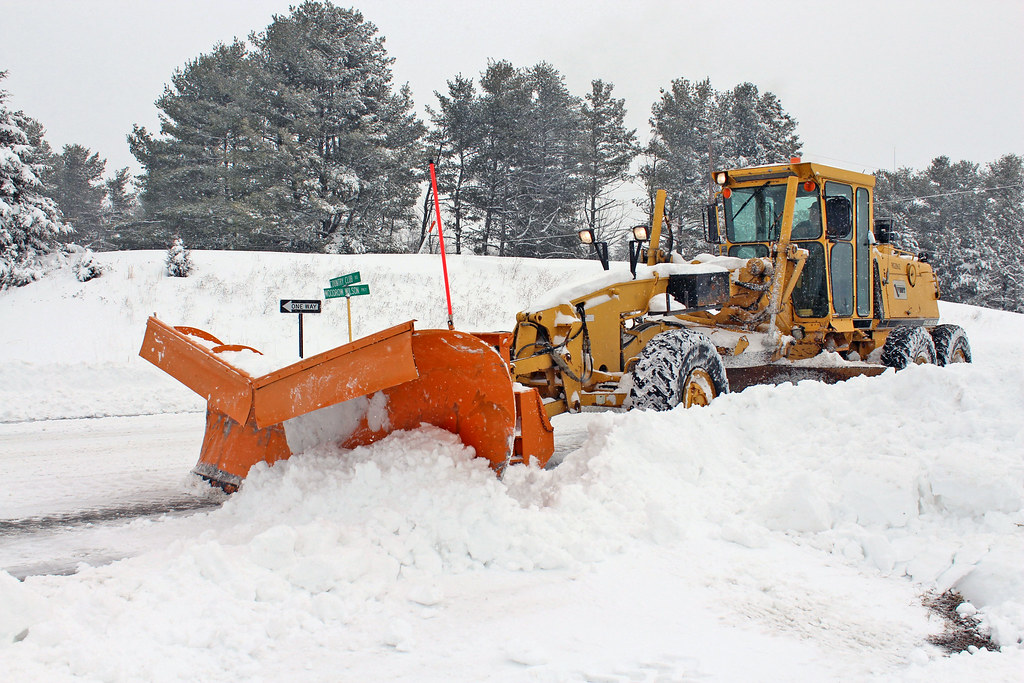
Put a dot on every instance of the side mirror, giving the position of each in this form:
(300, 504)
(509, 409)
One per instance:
(838, 217)
(883, 230)
(712, 233)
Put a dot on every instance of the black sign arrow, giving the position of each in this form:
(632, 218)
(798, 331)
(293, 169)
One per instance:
(300, 305)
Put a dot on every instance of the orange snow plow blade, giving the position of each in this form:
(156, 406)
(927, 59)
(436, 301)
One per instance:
(362, 367)
(352, 395)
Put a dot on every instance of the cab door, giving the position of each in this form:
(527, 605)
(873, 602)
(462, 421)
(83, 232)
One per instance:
(839, 229)
(863, 241)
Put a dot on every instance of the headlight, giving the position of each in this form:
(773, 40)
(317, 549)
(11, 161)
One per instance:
(720, 178)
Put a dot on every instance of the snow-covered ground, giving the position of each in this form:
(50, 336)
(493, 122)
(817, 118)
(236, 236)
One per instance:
(785, 533)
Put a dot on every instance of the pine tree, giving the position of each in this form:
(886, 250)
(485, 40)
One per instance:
(347, 145)
(967, 220)
(75, 182)
(39, 153)
(178, 260)
(455, 140)
(204, 176)
(947, 215)
(698, 129)
(754, 129)
(683, 123)
(524, 161)
(121, 212)
(30, 222)
(300, 143)
(608, 151)
(1002, 234)
(548, 180)
(503, 108)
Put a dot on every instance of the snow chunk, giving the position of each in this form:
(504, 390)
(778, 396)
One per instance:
(800, 507)
(20, 608)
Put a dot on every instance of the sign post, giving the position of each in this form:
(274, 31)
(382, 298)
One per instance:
(300, 306)
(345, 286)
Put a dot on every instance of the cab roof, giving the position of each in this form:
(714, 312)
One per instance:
(802, 170)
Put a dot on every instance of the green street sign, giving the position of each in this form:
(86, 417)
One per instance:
(336, 292)
(345, 280)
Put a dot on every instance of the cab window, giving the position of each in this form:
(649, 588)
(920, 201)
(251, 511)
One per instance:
(748, 251)
(839, 190)
(841, 268)
(806, 215)
(754, 214)
(863, 252)
(810, 296)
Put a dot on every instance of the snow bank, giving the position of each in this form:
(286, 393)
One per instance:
(91, 332)
(782, 533)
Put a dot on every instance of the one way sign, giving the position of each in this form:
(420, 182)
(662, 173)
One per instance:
(300, 305)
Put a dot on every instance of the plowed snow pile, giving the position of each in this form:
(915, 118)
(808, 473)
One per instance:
(784, 533)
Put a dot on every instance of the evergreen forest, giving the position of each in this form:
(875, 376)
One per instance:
(298, 139)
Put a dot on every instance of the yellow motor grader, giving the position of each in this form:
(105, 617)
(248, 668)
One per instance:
(804, 285)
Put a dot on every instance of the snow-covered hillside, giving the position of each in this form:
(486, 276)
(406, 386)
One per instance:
(786, 533)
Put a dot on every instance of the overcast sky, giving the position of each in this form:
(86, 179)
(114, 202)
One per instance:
(871, 83)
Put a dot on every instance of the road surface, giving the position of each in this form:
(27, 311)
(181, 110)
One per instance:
(97, 490)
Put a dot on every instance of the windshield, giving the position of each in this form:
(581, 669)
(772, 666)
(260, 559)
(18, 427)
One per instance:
(754, 214)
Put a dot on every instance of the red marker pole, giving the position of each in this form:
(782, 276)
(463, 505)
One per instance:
(440, 238)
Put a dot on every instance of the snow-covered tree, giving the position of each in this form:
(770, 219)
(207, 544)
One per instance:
(676, 159)
(549, 184)
(205, 173)
(84, 263)
(968, 220)
(179, 259)
(609, 149)
(503, 105)
(697, 129)
(30, 222)
(120, 208)
(512, 158)
(454, 139)
(348, 156)
(1003, 228)
(753, 128)
(299, 142)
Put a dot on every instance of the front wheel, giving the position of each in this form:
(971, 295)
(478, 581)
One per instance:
(908, 346)
(951, 345)
(677, 367)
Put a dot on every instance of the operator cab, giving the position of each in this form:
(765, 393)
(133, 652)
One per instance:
(831, 220)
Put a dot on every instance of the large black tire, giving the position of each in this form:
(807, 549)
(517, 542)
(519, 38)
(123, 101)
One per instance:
(908, 346)
(677, 367)
(951, 345)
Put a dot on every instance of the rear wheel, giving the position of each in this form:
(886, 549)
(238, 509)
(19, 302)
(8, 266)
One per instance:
(951, 345)
(677, 367)
(908, 346)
